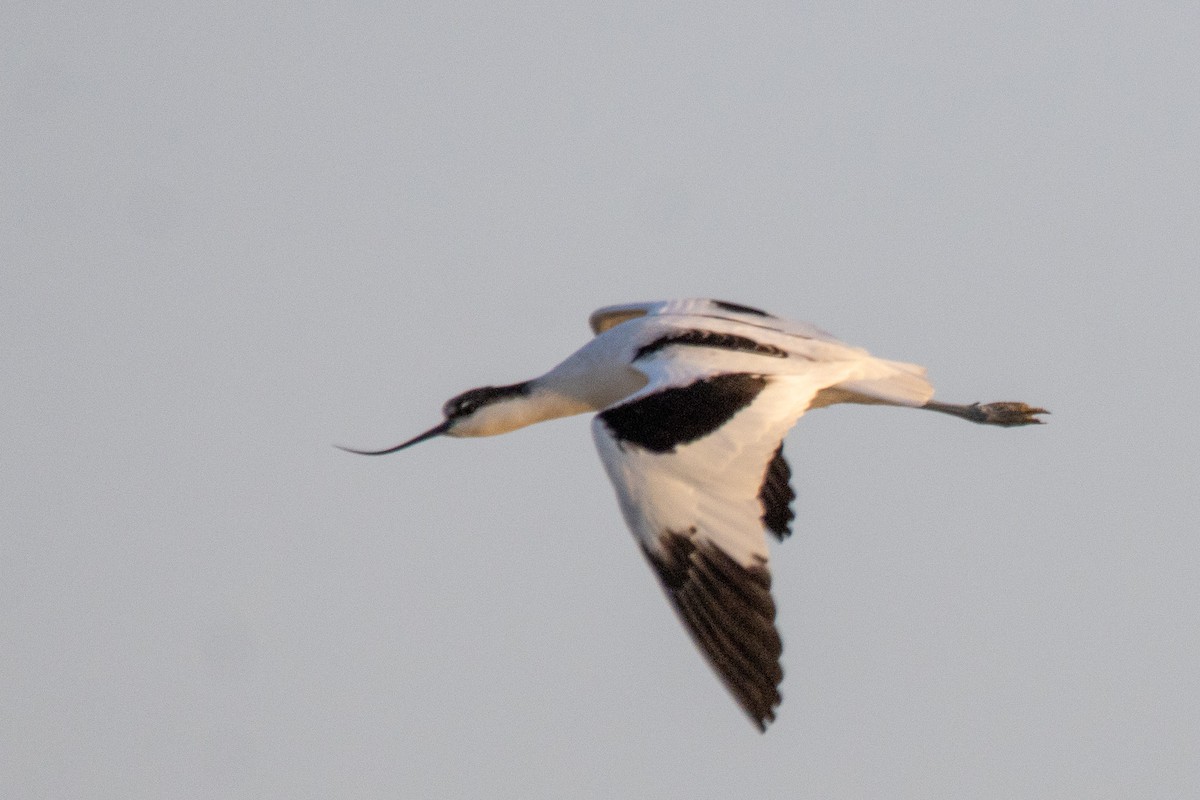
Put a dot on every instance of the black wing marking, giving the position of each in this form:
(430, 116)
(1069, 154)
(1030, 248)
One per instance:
(739, 308)
(776, 496)
(701, 338)
(730, 614)
(662, 420)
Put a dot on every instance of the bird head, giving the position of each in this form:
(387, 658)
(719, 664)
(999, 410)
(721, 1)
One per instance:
(486, 411)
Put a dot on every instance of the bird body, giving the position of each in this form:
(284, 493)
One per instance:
(692, 400)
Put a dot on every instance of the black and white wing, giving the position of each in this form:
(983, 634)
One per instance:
(700, 476)
(695, 456)
(702, 308)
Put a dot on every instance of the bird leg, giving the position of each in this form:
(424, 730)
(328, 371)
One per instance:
(1006, 414)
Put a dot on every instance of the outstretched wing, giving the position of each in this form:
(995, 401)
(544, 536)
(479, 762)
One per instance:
(699, 307)
(695, 456)
(717, 323)
(697, 465)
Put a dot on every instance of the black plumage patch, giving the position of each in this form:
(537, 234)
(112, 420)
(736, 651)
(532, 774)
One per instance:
(739, 308)
(473, 399)
(702, 338)
(665, 419)
(776, 496)
(730, 614)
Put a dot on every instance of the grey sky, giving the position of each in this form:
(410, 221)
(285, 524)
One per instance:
(237, 234)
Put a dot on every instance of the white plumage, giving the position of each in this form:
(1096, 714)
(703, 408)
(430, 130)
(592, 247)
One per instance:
(694, 398)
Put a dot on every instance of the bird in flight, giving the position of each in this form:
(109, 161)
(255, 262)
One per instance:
(692, 400)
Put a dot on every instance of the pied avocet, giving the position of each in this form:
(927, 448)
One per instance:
(694, 398)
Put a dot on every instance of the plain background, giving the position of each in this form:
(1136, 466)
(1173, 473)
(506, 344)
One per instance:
(235, 234)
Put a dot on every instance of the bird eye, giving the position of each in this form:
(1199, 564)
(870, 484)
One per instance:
(460, 406)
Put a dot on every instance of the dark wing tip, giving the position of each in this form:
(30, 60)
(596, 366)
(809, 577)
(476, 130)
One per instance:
(776, 496)
(729, 612)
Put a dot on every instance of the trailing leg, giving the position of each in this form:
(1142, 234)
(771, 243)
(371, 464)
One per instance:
(1007, 414)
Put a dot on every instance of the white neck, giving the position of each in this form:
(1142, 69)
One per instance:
(576, 386)
(589, 380)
